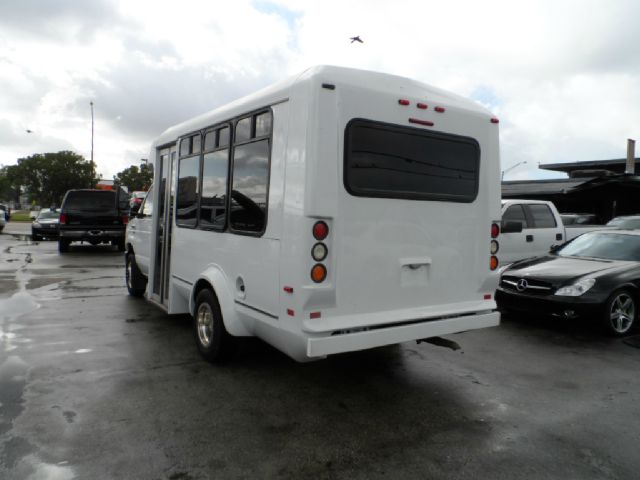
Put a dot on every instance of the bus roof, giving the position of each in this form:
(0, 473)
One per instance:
(280, 91)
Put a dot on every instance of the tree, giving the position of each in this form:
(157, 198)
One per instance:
(10, 183)
(48, 176)
(135, 178)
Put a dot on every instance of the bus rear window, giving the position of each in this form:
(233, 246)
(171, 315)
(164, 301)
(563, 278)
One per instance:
(384, 160)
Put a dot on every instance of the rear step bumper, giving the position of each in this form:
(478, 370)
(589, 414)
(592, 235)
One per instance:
(349, 342)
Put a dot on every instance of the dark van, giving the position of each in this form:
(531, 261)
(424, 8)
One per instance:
(93, 216)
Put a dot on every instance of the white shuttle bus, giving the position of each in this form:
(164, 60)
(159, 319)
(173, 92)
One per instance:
(338, 210)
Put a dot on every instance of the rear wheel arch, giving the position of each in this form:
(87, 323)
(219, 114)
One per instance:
(214, 280)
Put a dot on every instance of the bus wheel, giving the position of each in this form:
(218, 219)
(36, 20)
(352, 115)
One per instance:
(136, 282)
(214, 343)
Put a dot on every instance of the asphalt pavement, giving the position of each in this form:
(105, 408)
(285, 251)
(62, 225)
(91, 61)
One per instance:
(95, 384)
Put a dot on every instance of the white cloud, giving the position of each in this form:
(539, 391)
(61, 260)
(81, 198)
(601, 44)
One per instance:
(562, 76)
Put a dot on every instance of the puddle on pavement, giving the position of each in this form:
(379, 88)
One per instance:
(16, 305)
(22, 237)
(8, 285)
(13, 378)
(34, 283)
(33, 468)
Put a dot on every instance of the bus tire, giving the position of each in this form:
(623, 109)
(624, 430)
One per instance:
(136, 282)
(214, 343)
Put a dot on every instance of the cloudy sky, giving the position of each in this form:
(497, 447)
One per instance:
(562, 75)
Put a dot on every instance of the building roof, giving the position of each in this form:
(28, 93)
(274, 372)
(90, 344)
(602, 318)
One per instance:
(515, 188)
(617, 165)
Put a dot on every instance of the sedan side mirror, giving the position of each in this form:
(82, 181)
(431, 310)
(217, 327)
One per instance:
(511, 227)
(554, 248)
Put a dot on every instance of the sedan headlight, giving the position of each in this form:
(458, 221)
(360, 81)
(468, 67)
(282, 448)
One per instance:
(577, 289)
(37, 225)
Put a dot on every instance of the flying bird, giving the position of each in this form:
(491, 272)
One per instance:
(356, 39)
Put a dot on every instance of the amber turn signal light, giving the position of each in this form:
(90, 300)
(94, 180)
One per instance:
(318, 273)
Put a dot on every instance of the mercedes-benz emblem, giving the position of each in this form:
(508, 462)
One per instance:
(522, 285)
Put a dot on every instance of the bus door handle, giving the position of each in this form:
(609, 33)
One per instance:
(529, 238)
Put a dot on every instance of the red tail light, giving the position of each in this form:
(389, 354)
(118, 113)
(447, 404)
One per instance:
(403, 101)
(125, 219)
(495, 230)
(320, 230)
(63, 218)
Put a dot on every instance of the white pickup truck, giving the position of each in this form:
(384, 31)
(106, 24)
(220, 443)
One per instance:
(531, 227)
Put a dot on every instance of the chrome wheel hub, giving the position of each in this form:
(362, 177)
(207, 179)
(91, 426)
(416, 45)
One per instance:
(204, 321)
(622, 313)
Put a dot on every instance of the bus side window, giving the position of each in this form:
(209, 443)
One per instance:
(188, 176)
(250, 182)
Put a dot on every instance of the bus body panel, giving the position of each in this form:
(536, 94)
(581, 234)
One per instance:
(398, 269)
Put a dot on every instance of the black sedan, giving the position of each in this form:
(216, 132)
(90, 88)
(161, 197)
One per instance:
(45, 225)
(596, 274)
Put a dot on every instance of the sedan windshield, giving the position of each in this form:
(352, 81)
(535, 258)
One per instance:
(606, 245)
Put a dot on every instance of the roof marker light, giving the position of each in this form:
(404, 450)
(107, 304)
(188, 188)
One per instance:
(402, 101)
(495, 120)
(422, 106)
(487, 296)
(440, 109)
(421, 122)
(288, 289)
(313, 315)
(290, 312)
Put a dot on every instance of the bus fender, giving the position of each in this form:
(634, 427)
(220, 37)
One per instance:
(215, 279)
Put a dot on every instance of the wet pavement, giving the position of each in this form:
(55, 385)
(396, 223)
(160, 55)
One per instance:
(95, 384)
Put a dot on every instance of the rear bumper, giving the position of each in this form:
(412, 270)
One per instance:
(92, 234)
(349, 342)
(45, 231)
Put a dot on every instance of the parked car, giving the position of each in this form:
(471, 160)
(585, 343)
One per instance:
(597, 274)
(628, 222)
(45, 225)
(3, 222)
(136, 200)
(5, 212)
(580, 219)
(531, 227)
(94, 216)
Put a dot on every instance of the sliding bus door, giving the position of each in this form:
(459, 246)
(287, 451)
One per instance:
(165, 206)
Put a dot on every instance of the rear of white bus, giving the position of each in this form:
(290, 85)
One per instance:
(401, 232)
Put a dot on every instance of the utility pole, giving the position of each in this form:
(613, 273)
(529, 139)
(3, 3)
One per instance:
(91, 103)
(630, 168)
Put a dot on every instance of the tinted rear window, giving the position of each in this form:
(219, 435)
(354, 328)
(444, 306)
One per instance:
(383, 160)
(91, 200)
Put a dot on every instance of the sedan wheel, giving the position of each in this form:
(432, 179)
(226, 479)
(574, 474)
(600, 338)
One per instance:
(620, 313)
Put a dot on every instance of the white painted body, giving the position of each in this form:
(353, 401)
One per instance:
(398, 270)
(534, 241)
